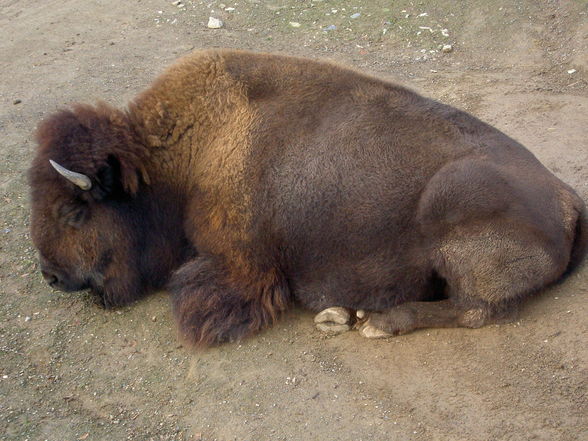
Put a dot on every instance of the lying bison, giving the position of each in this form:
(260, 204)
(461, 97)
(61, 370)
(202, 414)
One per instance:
(245, 182)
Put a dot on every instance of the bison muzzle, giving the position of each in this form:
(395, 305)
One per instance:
(244, 182)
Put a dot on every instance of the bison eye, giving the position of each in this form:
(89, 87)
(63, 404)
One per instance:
(74, 214)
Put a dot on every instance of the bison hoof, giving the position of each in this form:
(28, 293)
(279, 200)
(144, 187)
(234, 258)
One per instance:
(369, 331)
(333, 320)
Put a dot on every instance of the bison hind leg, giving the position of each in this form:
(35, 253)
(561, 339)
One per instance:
(410, 316)
(487, 271)
(210, 308)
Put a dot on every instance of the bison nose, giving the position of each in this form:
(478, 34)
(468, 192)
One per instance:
(50, 278)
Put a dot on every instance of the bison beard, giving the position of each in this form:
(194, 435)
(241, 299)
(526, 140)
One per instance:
(245, 182)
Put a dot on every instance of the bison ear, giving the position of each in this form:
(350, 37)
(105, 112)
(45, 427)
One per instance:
(108, 182)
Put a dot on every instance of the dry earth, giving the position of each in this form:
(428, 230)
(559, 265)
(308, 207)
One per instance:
(72, 371)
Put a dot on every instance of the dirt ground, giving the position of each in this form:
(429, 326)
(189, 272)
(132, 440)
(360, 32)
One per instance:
(72, 371)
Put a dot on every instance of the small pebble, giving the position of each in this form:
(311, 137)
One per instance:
(214, 23)
(294, 24)
(445, 32)
(356, 15)
(330, 28)
(17, 102)
(229, 9)
(572, 71)
(446, 48)
(27, 319)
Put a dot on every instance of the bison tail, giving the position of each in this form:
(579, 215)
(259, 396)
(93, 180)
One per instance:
(210, 309)
(580, 241)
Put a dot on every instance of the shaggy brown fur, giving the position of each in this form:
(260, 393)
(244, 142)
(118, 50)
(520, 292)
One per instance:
(248, 181)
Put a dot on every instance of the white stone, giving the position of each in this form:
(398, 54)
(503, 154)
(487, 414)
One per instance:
(214, 23)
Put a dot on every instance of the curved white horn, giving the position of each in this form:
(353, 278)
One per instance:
(79, 179)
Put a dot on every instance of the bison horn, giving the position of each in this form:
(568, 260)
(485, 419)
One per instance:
(79, 179)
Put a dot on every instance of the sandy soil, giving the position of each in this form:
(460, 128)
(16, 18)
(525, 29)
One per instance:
(72, 371)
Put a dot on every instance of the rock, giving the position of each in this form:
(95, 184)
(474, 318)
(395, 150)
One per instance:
(572, 71)
(15, 102)
(354, 16)
(445, 32)
(214, 23)
(446, 48)
(330, 28)
(294, 24)
(229, 9)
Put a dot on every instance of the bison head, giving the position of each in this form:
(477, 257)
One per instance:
(89, 220)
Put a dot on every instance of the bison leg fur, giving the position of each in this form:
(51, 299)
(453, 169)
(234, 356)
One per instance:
(210, 308)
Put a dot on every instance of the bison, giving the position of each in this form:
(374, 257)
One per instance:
(243, 183)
